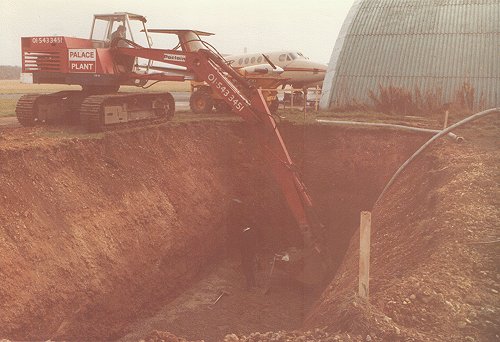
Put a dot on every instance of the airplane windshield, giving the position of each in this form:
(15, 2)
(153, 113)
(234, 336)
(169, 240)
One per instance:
(293, 55)
(301, 55)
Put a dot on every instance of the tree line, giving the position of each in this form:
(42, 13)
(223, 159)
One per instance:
(9, 72)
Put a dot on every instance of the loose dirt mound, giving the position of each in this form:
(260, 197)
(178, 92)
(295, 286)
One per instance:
(434, 256)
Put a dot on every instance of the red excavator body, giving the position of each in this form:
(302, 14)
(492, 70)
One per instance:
(102, 64)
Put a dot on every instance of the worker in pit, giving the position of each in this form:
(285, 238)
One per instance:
(246, 238)
(248, 248)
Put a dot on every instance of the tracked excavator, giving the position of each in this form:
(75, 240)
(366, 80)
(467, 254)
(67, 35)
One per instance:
(103, 63)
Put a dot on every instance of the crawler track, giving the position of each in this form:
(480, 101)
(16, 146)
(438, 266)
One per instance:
(25, 109)
(91, 112)
(60, 107)
(77, 107)
(93, 109)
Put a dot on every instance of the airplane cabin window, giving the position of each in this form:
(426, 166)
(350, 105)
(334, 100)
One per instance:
(252, 60)
(259, 59)
(246, 60)
(282, 57)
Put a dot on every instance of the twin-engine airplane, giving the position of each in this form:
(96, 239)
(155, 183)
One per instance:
(298, 70)
(292, 67)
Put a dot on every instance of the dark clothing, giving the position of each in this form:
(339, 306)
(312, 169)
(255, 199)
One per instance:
(119, 34)
(245, 237)
(124, 63)
(116, 34)
(248, 248)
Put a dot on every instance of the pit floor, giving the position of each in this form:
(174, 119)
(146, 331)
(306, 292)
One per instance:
(193, 315)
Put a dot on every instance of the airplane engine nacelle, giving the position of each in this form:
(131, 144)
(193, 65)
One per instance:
(261, 69)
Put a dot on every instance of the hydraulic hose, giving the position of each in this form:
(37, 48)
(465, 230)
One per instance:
(431, 140)
(450, 135)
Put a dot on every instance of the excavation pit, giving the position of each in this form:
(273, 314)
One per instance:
(127, 233)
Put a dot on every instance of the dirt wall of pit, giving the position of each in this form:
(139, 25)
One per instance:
(94, 232)
(345, 169)
(431, 265)
(93, 229)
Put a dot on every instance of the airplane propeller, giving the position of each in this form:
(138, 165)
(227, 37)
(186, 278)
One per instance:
(269, 61)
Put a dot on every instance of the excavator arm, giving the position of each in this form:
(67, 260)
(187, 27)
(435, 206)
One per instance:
(235, 90)
(249, 103)
(101, 69)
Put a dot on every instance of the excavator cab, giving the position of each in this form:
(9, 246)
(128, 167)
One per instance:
(104, 27)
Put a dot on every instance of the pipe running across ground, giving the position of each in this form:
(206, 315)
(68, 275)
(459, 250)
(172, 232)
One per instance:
(431, 140)
(452, 136)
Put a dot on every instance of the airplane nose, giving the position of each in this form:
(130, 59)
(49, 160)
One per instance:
(303, 72)
(319, 68)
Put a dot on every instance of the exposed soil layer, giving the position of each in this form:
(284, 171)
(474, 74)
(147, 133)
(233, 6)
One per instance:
(96, 231)
(434, 270)
(99, 232)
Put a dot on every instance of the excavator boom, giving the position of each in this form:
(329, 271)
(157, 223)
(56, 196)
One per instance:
(249, 103)
(101, 67)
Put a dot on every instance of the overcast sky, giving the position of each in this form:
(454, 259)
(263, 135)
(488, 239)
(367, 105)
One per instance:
(309, 26)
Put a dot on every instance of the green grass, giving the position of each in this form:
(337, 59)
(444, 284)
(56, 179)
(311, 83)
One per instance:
(7, 107)
(16, 87)
(13, 87)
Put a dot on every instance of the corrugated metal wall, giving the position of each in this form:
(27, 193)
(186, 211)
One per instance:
(435, 45)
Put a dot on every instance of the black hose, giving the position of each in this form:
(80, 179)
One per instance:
(435, 137)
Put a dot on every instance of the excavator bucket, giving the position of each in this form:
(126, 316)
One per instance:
(307, 266)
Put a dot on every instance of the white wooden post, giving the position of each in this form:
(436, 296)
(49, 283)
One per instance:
(446, 119)
(364, 253)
